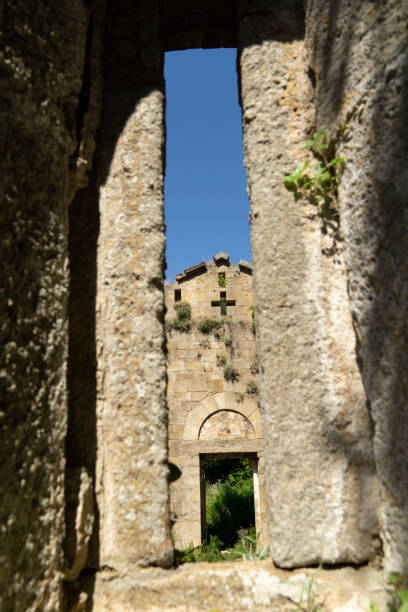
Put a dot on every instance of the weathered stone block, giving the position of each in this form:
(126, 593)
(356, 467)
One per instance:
(302, 386)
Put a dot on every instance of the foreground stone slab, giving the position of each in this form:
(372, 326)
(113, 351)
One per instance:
(322, 496)
(229, 587)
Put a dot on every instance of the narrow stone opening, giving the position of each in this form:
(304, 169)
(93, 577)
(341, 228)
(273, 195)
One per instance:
(206, 202)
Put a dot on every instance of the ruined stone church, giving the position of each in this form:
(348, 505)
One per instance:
(212, 389)
(86, 430)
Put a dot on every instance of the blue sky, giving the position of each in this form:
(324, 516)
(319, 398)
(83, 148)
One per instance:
(206, 204)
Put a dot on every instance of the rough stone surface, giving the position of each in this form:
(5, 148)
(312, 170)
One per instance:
(79, 521)
(42, 62)
(197, 25)
(358, 54)
(330, 310)
(231, 587)
(132, 488)
(320, 473)
(226, 424)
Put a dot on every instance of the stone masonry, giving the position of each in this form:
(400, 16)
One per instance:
(83, 414)
(209, 415)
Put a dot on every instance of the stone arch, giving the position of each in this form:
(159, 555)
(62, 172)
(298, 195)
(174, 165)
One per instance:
(226, 425)
(216, 402)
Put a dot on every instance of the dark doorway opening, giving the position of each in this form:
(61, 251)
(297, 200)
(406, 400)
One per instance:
(228, 497)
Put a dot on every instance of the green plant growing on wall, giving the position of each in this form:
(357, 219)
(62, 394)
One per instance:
(206, 325)
(222, 281)
(182, 321)
(183, 310)
(251, 387)
(319, 187)
(227, 341)
(221, 360)
(308, 599)
(240, 397)
(231, 374)
(250, 550)
(254, 368)
(253, 326)
(396, 590)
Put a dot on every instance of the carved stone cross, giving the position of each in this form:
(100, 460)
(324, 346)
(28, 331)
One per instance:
(223, 302)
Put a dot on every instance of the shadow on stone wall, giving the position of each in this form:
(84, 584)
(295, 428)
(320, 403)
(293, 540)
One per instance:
(361, 74)
(132, 69)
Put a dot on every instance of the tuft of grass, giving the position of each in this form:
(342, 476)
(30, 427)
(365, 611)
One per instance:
(254, 368)
(206, 552)
(231, 374)
(240, 397)
(247, 548)
(182, 321)
(183, 310)
(227, 341)
(206, 325)
(181, 325)
(222, 281)
(251, 387)
(221, 360)
(396, 591)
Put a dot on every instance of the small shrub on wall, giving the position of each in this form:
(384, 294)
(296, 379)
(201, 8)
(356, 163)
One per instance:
(231, 374)
(221, 360)
(183, 310)
(251, 387)
(182, 321)
(254, 368)
(207, 325)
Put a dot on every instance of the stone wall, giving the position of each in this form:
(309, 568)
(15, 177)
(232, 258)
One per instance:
(330, 305)
(131, 469)
(312, 397)
(43, 133)
(209, 415)
(357, 53)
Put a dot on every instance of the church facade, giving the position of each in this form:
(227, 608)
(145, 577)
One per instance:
(212, 387)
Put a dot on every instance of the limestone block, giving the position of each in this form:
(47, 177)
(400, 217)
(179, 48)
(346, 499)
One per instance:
(79, 521)
(373, 223)
(305, 339)
(176, 386)
(221, 257)
(197, 385)
(197, 396)
(176, 431)
(238, 586)
(190, 460)
(219, 399)
(132, 471)
(40, 136)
